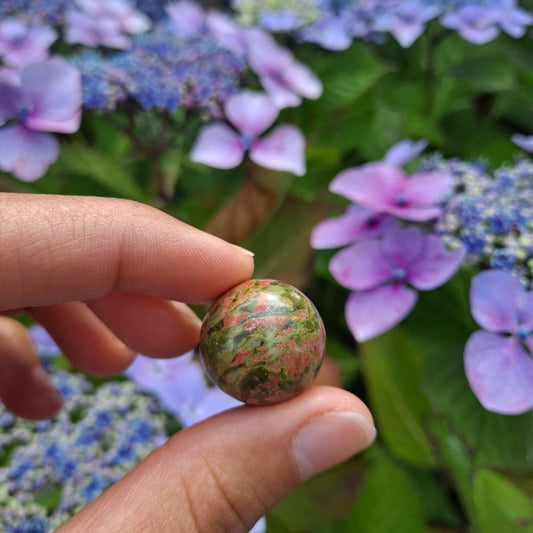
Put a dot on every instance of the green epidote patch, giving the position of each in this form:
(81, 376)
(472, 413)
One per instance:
(262, 342)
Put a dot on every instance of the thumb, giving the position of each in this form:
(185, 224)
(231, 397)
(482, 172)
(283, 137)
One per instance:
(226, 472)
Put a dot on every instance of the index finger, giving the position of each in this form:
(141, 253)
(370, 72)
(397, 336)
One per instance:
(64, 248)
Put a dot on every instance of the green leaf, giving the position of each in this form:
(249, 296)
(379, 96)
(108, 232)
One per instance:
(96, 165)
(485, 74)
(501, 506)
(392, 371)
(439, 327)
(387, 501)
(348, 75)
(318, 502)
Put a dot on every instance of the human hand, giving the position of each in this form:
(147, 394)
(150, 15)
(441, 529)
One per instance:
(103, 276)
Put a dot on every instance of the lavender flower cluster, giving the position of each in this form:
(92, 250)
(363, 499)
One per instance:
(333, 24)
(463, 212)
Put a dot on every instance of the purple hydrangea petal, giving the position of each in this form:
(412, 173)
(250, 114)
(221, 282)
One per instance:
(21, 45)
(302, 80)
(25, 153)
(330, 32)
(282, 149)
(54, 89)
(278, 91)
(499, 372)
(523, 141)
(495, 298)
(415, 214)
(371, 313)
(525, 313)
(401, 247)
(187, 17)
(251, 112)
(213, 402)
(361, 266)
(226, 31)
(374, 185)
(425, 190)
(401, 153)
(475, 23)
(435, 265)
(217, 145)
(355, 224)
(9, 101)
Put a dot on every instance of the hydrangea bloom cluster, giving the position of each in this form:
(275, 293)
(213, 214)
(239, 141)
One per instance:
(483, 216)
(162, 70)
(333, 24)
(56, 467)
(490, 213)
(385, 261)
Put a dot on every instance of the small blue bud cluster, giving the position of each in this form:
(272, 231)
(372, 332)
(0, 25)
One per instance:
(162, 70)
(51, 469)
(490, 212)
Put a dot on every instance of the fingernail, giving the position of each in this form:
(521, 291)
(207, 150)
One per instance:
(244, 250)
(330, 439)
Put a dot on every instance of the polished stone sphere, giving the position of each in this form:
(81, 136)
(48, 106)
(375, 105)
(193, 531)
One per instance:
(262, 342)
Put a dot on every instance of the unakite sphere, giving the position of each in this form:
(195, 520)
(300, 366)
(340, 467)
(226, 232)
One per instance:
(262, 342)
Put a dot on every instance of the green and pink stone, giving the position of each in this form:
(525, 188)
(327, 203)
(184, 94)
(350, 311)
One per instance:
(262, 342)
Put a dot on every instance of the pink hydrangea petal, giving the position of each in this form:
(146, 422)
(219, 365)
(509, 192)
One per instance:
(361, 266)
(371, 313)
(279, 93)
(135, 22)
(435, 265)
(251, 112)
(426, 189)
(54, 89)
(495, 298)
(187, 17)
(374, 185)
(356, 223)
(225, 31)
(499, 372)
(302, 80)
(25, 153)
(263, 52)
(217, 145)
(401, 247)
(415, 214)
(403, 152)
(282, 149)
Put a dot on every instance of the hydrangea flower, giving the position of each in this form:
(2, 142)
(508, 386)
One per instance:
(355, 224)
(475, 23)
(385, 188)
(21, 44)
(383, 272)
(218, 145)
(406, 20)
(284, 78)
(499, 359)
(189, 19)
(48, 98)
(104, 22)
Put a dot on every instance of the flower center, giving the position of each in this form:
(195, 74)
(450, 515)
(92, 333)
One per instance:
(24, 111)
(401, 200)
(247, 139)
(398, 274)
(522, 332)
